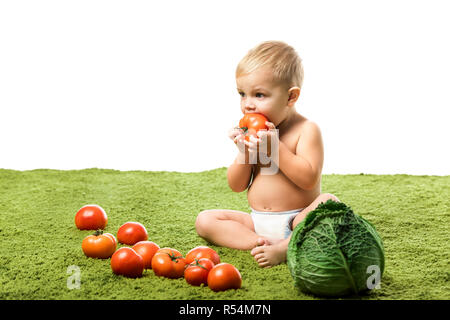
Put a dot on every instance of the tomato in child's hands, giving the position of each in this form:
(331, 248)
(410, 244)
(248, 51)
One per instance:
(251, 123)
(131, 233)
(127, 262)
(91, 217)
(224, 276)
(202, 252)
(146, 249)
(196, 273)
(168, 263)
(99, 245)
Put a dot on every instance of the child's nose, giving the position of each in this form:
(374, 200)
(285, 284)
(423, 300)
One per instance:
(249, 106)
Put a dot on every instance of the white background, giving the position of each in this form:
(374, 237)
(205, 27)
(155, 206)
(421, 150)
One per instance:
(149, 85)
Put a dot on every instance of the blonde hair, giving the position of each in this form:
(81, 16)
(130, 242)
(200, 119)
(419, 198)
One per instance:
(284, 61)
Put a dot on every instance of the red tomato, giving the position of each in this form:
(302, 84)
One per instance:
(131, 233)
(99, 245)
(125, 261)
(197, 272)
(110, 235)
(168, 263)
(146, 249)
(251, 123)
(224, 276)
(202, 252)
(91, 217)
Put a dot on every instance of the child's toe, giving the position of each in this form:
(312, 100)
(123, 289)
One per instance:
(262, 242)
(257, 250)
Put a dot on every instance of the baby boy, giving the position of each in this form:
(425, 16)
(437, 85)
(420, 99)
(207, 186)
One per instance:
(269, 79)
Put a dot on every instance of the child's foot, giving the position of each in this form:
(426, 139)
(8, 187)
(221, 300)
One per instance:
(269, 253)
(264, 242)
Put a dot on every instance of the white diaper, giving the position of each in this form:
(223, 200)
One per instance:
(273, 225)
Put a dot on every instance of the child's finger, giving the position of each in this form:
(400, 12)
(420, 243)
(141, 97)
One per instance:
(234, 135)
(238, 138)
(270, 125)
(235, 130)
(254, 139)
(250, 145)
(262, 133)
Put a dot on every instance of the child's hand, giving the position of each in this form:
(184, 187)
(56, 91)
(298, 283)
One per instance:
(264, 140)
(237, 135)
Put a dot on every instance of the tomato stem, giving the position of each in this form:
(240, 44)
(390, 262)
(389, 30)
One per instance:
(244, 128)
(198, 264)
(174, 257)
(98, 232)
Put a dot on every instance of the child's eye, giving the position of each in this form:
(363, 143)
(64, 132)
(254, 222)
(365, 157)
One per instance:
(241, 94)
(259, 95)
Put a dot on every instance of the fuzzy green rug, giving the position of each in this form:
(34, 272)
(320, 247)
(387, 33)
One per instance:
(39, 240)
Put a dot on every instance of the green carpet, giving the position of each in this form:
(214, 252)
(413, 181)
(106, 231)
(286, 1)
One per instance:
(39, 240)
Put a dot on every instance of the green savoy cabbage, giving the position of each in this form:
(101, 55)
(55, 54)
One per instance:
(335, 252)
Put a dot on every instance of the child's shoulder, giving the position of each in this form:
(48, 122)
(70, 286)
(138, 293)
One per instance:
(308, 133)
(309, 137)
(307, 126)
(301, 131)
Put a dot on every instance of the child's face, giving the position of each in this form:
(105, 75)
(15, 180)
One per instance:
(261, 94)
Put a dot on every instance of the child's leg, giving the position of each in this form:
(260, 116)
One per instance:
(273, 254)
(227, 228)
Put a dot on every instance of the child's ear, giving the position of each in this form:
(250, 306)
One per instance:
(294, 94)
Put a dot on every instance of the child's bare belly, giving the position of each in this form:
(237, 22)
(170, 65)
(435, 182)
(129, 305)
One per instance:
(277, 193)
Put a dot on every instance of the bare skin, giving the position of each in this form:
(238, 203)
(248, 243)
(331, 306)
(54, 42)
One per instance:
(269, 252)
(296, 183)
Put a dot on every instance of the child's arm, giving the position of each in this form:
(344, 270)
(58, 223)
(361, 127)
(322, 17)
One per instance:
(239, 174)
(305, 167)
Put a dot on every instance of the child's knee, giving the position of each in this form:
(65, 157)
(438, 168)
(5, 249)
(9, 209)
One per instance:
(202, 222)
(324, 197)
